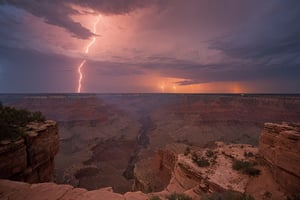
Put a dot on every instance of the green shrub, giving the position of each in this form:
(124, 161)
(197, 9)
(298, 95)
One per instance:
(251, 171)
(187, 151)
(176, 196)
(13, 121)
(229, 195)
(155, 198)
(248, 154)
(268, 194)
(209, 153)
(246, 167)
(201, 162)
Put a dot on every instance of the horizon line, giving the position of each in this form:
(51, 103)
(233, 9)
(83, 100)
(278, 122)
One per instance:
(145, 93)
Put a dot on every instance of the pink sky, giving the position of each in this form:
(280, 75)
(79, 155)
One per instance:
(148, 46)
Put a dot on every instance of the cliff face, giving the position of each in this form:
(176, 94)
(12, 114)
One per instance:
(153, 173)
(279, 145)
(31, 158)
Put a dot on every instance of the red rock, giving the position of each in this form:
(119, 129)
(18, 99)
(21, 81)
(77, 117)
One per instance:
(31, 159)
(279, 145)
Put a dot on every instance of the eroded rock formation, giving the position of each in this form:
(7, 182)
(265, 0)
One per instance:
(279, 145)
(168, 170)
(174, 171)
(153, 172)
(30, 158)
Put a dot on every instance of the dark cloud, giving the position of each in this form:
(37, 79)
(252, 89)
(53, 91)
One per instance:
(53, 12)
(58, 12)
(115, 7)
(32, 71)
(272, 36)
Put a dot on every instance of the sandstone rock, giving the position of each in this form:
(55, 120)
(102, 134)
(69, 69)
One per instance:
(23, 191)
(153, 173)
(13, 159)
(31, 158)
(51, 191)
(135, 196)
(187, 176)
(73, 194)
(100, 195)
(279, 146)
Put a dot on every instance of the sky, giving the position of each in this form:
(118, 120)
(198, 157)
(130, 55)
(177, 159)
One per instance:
(165, 46)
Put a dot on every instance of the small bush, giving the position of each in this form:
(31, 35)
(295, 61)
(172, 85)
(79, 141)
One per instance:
(13, 121)
(248, 154)
(209, 153)
(155, 198)
(187, 151)
(176, 196)
(268, 194)
(201, 162)
(245, 167)
(251, 171)
(229, 195)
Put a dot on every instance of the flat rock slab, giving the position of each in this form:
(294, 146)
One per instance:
(51, 191)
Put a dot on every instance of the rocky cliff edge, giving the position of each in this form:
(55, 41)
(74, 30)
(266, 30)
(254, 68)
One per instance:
(279, 146)
(31, 157)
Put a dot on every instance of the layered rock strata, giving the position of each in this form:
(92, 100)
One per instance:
(31, 157)
(175, 172)
(279, 146)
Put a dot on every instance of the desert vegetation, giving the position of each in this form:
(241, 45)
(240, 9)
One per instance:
(13, 121)
(200, 161)
(187, 151)
(227, 195)
(248, 154)
(155, 198)
(245, 167)
(178, 196)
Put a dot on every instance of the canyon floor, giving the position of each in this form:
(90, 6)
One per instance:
(103, 137)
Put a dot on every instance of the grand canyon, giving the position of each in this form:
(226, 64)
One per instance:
(134, 145)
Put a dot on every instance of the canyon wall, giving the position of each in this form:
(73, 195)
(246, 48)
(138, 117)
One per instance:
(31, 157)
(153, 171)
(170, 170)
(279, 146)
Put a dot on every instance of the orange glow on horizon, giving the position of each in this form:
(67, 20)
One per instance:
(172, 85)
(86, 52)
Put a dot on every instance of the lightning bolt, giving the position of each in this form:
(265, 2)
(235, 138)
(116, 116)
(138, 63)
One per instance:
(86, 52)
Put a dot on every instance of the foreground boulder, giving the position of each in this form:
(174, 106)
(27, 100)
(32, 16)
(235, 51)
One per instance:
(51, 191)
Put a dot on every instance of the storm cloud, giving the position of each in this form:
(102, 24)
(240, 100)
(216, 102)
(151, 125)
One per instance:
(249, 42)
(58, 12)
